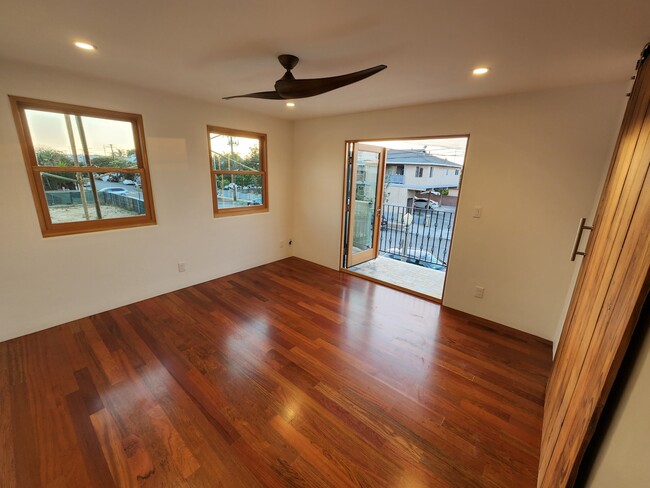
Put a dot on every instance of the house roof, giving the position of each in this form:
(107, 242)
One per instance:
(417, 156)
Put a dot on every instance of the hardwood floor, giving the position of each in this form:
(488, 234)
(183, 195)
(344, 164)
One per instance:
(289, 374)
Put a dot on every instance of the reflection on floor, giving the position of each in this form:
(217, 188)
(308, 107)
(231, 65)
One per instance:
(413, 277)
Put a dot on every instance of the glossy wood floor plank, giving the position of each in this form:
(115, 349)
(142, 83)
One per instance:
(289, 374)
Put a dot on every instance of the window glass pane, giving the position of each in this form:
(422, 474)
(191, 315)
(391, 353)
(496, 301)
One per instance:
(239, 190)
(117, 205)
(128, 180)
(49, 135)
(129, 184)
(365, 199)
(110, 142)
(233, 153)
(70, 198)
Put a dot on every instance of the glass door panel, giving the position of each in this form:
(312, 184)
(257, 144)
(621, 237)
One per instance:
(365, 203)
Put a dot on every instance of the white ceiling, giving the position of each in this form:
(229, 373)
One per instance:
(209, 49)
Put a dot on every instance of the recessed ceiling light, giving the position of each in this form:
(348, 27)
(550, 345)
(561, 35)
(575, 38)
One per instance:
(85, 45)
(291, 104)
(480, 71)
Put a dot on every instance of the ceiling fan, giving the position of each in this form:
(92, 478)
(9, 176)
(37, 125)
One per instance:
(288, 87)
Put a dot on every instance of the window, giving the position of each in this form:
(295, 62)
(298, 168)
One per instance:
(430, 171)
(238, 170)
(87, 167)
(457, 172)
(419, 172)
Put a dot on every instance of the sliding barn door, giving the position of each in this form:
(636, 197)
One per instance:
(611, 288)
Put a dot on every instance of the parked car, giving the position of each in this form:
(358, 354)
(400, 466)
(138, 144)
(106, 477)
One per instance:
(254, 202)
(423, 203)
(230, 186)
(416, 256)
(114, 189)
(129, 182)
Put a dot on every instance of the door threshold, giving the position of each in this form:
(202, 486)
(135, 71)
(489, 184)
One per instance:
(424, 296)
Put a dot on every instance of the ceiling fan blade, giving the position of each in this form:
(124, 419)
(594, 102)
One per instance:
(288, 89)
(268, 95)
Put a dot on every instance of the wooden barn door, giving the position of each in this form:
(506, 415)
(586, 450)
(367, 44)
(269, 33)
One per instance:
(611, 288)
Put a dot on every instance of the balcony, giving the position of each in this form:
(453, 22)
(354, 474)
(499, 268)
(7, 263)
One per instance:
(414, 247)
(419, 236)
(396, 179)
(424, 281)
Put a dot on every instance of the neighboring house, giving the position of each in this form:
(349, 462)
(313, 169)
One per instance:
(411, 172)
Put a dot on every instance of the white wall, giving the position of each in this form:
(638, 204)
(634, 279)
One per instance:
(534, 163)
(396, 195)
(45, 282)
(622, 459)
(441, 176)
(547, 150)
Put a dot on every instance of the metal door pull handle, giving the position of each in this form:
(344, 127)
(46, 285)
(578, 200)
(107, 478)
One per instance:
(576, 244)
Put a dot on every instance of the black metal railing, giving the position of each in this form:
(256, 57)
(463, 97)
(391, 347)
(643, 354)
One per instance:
(416, 235)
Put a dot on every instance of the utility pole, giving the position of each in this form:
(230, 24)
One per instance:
(232, 144)
(80, 183)
(84, 146)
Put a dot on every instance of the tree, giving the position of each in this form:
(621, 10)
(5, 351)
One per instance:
(232, 161)
(47, 156)
(109, 162)
(119, 158)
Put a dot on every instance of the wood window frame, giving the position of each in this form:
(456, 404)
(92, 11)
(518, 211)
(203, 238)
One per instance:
(50, 229)
(226, 212)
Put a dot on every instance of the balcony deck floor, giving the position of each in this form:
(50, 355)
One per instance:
(423, 280)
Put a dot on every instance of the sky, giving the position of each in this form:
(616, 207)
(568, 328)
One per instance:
(219, 143)
(48, 129)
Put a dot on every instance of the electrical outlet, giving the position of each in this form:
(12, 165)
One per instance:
(479, 291)
(181, 266)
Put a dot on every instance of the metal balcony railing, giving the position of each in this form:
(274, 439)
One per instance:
(418, 236)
